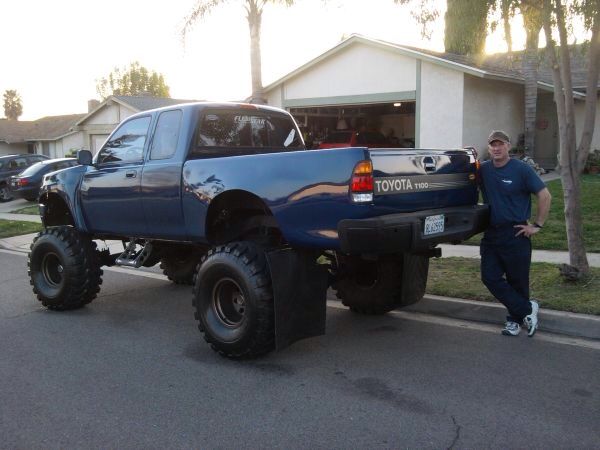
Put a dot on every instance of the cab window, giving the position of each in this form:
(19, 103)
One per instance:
(127, 143)
(166, 135)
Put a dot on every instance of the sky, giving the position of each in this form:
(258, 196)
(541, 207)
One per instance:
(53, 52)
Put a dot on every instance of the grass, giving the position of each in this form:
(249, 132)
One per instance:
(460, 278)
(10, 228)
(554, 235)
(34, 210)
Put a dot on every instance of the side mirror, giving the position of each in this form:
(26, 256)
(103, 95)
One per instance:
(84, 157)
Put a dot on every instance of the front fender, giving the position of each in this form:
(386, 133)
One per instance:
(65, 184)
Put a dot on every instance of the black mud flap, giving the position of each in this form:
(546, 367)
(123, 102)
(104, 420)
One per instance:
(300, 292)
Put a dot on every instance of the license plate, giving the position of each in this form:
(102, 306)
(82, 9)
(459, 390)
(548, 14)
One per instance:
(434, 224)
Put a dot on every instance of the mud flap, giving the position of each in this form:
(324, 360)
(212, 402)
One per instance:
(300, 292)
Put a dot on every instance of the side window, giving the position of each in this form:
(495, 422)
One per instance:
(35, 159)
(18, 163)
(127, 143)
(166, 135)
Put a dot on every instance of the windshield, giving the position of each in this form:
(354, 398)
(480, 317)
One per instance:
(31, 170)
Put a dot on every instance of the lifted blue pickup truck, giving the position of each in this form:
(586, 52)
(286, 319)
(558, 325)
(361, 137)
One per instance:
(227, 198)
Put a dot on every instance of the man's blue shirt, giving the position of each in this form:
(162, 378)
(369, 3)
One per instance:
(507, 190)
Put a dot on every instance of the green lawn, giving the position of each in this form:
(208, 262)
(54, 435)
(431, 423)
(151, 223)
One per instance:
(459, 277)
(554, 235)
(34, 210)
(10, 228)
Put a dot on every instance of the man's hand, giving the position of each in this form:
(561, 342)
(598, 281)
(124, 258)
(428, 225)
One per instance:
(527, 230)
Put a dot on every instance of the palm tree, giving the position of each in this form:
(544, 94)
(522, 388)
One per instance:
(254, 10)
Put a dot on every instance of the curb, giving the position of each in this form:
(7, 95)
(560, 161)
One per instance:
(559, 322)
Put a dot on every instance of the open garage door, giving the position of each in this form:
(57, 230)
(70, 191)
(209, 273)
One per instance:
(371, 125)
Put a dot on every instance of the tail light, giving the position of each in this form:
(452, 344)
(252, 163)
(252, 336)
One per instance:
(22, 182)
(361, 186)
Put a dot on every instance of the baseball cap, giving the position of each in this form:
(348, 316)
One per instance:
(499, 135)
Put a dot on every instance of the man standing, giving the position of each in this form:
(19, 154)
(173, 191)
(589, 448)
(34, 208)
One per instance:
(507, 185)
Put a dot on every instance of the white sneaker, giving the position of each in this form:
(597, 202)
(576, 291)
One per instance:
(511, 329)
(532, 319)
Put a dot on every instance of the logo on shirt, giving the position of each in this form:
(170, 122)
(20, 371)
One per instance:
(507, 181)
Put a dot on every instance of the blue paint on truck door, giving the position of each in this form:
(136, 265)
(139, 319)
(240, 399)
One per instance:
(110, 189)
(161, 179)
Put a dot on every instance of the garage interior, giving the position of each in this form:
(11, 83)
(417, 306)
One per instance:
(396, 121)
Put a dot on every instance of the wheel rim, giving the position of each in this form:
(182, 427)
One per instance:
(52, 270)
(229, 303)
(4, 194)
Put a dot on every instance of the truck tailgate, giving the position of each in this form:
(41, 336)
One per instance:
(414, 180)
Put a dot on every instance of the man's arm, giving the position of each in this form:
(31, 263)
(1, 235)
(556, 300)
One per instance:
(543, 208)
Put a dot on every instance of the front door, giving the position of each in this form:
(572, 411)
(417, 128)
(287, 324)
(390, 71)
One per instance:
(110, 190)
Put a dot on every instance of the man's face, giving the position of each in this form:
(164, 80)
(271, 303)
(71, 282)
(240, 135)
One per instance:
(499, 151)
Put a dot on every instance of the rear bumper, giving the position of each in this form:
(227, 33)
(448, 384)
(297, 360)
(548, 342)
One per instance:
(404, 232)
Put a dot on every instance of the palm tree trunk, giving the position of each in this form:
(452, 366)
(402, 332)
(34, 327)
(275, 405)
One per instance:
(254, 23)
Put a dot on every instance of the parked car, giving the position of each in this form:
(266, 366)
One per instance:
(12, 165)
(351, 138)
(27, 183)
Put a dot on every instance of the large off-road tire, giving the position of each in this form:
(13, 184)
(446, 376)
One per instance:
(181, 268)
(233, 299)
(5, 194)
(377, 287)
(64, 268)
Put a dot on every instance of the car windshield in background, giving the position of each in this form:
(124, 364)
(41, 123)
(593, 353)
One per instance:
(1, 165)
(253, 130)
(31, 170)
(339, 136)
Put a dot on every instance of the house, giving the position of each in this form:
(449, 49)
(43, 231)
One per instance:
(103, 117)
(57, 136)
(418, 97)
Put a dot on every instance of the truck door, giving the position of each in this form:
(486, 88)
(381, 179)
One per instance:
(161, 179)
(110, 190)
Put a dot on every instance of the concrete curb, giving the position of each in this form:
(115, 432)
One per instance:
(559, 322)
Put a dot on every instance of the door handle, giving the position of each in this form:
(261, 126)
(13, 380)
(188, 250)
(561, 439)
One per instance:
(131, 174)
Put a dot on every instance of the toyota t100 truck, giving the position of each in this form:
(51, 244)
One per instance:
(227, 198)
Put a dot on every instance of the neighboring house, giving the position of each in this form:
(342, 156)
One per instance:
(95, 126)
(56, 136)
(418, 97)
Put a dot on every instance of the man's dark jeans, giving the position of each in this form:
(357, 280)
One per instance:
(505, 262)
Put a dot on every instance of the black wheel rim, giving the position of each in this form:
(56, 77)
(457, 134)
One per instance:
(229, 303)
(4, 194)
(52, 270)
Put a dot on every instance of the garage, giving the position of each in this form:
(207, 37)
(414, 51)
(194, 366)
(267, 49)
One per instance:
(390, 124)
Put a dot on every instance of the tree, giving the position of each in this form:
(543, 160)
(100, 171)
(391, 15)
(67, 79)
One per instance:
(254, 10)
(13, 106)
(572, 157)
(132, 80)
(531, 10)
(466, 26)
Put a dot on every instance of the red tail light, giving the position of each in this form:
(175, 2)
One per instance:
(23, 182)
(361, 186)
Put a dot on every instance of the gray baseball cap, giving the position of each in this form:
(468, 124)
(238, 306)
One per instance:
(498, 135)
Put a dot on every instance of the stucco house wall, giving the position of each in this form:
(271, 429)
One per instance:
(354, 71)
(440, 107)
(9, 149)
(491, 105)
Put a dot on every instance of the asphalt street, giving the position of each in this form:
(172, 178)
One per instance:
(131, 370)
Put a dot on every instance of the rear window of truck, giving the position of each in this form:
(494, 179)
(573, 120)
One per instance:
(224, 133)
